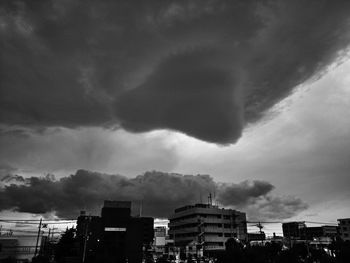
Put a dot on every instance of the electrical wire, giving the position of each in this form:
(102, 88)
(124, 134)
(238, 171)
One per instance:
(38, 220)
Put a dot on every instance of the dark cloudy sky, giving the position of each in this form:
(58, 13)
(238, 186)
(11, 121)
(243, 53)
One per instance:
(247, 99)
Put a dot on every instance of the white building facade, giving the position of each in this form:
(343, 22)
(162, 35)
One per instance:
(207, 226)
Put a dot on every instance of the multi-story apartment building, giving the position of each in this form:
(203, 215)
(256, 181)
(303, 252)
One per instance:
(207, 226)
(344, 228)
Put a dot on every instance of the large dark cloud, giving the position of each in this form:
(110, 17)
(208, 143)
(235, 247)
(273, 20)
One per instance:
(160, 193)
(189, 92)
(204, 68)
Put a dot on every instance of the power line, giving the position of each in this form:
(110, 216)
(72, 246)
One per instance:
(37, 220)
(320, 223)
(282, 222)
(23, 223)
(27, 231)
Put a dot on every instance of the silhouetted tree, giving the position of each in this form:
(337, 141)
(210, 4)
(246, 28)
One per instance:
(67, 246)
(233, 251)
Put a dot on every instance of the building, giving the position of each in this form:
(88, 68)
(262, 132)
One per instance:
(259, 236)
(8, 248)
(19, 247)
(344, 228)
(207, 226)
(311, 233)
(89, 236)
(293, 230)
(116, 236)
(115, 217)
(159, 236)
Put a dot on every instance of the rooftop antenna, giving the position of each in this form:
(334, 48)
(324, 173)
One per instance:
(215, 202)
(210, 201)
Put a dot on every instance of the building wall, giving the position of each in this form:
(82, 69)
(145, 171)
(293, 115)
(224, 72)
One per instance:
(89, 235)
(115, 236)
(293, 229)
(159, 236)
(207, 225)
(21, 247)
(256, 236)
(344, 228)
(8, 247)
(115, 218)
(310, 233)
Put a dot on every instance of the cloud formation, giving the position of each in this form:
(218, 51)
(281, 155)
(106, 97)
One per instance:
(6, 169)
(204, 68)
(159, 192)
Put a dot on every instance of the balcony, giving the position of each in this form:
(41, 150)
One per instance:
(183, 221)
(209, 247)
(213, 220)
(212, 229)
(214, 239)
(184, 230)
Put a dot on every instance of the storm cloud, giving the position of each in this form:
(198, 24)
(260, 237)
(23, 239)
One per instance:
(204, 68)
(160, 193)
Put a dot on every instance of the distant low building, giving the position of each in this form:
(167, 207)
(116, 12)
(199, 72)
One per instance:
(8, 247)
(159, 236)
(20, 247)
(207, 226)
(259, 236)
(344, 228)
(276, 239)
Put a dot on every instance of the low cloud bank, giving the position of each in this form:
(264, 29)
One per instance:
(159, 192)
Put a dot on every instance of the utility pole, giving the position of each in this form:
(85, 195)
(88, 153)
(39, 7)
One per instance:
(48, 236)
(260, 226)
(86, 237)
(37, 238)
(200, 237)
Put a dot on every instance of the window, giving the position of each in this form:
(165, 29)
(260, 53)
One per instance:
(345, 228)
